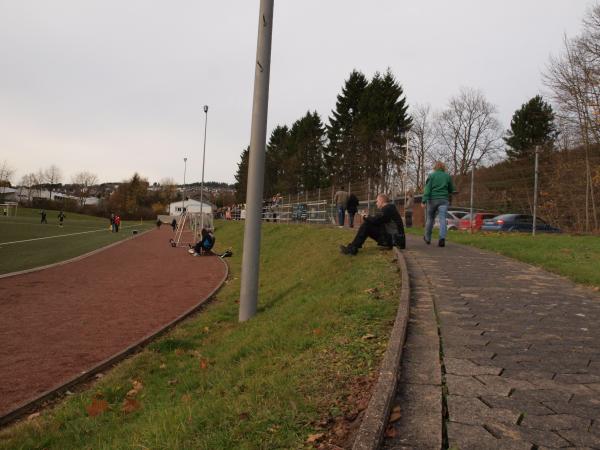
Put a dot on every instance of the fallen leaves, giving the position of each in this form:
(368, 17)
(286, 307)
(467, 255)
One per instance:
(395, 415)
(97, 407)
(135, 390)
(368, 336)
(130, 405)
(203, 364)
(314, 438)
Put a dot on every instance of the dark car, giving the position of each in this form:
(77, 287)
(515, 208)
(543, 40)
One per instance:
(517, 222)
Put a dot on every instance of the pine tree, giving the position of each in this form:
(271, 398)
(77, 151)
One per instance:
(343, 154)
(307, 147)
(241, 176)
(531, 125)
(275, 164)
(382, 126)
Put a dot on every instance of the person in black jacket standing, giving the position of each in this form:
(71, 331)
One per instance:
(351, 208)
(386, 228)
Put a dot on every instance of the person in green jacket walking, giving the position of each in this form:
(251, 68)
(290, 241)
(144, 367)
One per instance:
(438, 189)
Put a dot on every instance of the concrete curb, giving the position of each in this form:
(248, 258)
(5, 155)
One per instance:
(372, 428)
(33, 404)
(76, 258)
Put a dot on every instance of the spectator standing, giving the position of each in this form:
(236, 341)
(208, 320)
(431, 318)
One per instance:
(341, 203)
(438, 191)
(174, 224)
(117, 223)
(352, 208)
(43, 214)
(385, 227)
(112, 222)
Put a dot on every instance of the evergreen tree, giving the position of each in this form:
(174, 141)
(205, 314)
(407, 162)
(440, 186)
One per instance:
(276, 157)
(307, 148)
(531, 125)
(241, 176)
(343, 153)
(382, 126)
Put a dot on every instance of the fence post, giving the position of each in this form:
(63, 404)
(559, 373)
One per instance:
(369, 196)
(535, 188)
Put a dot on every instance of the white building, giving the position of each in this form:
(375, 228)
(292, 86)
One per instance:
(192, 206)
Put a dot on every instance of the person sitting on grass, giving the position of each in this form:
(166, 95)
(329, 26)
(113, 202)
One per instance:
(204, 245)
(385, 227)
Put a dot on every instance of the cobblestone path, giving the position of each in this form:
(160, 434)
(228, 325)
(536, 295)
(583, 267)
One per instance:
(519, 359)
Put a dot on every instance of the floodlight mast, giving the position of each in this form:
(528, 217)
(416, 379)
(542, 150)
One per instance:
(256, 164)
(203, 158)
(184, 186)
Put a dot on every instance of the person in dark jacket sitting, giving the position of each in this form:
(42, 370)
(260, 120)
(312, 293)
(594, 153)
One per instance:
(385, 227)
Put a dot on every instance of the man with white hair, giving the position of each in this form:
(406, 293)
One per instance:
(385, 227)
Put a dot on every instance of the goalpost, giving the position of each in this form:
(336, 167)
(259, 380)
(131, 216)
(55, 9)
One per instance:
(9, 209)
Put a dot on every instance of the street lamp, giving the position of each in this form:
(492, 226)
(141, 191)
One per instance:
(202, 182)
(184, 170)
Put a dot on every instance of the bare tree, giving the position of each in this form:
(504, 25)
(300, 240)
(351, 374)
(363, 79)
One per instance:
(422, 139)
(83, 182)
(28, 181)
(574, 79)
(168, 190)
(468, 131)
(52, 176)
(6, 174)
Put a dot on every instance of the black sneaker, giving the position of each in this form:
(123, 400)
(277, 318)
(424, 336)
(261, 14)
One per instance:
(348, 250)
(442, 243)
(426, 241)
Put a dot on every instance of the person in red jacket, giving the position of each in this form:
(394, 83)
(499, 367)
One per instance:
(117, 223)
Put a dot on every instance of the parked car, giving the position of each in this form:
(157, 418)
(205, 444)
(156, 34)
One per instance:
(517, 222)
(452, 219)
(477, 222)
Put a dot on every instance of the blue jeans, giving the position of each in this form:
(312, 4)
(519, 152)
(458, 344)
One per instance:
(439, 206)
(341, 215)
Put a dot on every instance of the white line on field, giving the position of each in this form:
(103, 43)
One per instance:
(57, 236)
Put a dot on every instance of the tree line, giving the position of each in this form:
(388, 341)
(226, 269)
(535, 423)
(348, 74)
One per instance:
(364, 137)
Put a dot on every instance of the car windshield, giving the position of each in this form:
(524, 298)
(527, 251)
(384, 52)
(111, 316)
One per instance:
(458, 214)
(466, 217)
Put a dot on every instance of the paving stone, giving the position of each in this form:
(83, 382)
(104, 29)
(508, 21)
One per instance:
(527, 406)
(470, 387)
(569, 378)
(527, 374)
(472, 411)
(547, 438)
(424, 372)
(466, 353)
(584, 411)
(556, 422)
(578, 438)
(504, 382)
(461, 436)
(465, 367)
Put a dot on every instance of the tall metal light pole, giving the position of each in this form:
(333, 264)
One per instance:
(184, 170)
(256, 164)
(535, 188)
(202, 182)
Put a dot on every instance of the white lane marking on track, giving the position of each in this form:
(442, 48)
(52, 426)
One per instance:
(58, 236)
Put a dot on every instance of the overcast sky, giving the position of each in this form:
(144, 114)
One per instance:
(115, 87)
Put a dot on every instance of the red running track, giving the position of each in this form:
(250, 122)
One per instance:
(61, 321)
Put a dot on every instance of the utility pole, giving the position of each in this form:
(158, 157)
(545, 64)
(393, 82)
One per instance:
(202, 182)
(256, 164)
(472, 185)
(535, 188)
(184, 170)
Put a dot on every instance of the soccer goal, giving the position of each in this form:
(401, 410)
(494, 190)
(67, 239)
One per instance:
(8, 209)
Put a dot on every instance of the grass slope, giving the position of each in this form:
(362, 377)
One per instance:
(26, 255)
(213, 383)
(575, 257)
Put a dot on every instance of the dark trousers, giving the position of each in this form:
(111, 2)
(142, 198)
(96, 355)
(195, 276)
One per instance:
(368, 230)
